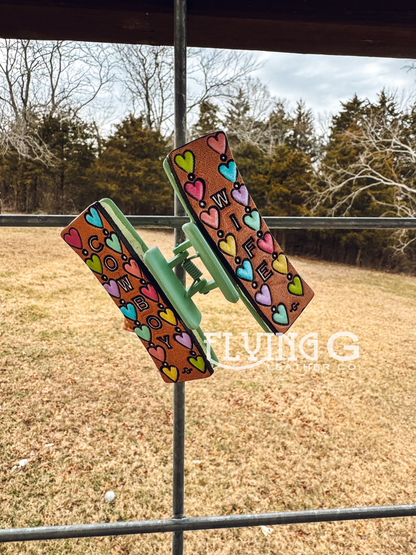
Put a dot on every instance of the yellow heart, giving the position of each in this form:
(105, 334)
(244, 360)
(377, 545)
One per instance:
(171, 372)
(228, 246)
(168, 316)
(280, 264)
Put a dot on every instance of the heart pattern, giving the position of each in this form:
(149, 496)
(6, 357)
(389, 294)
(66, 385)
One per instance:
(198, 363)
(113, 242)
(143, 332)
(263, 296)
(229, 171)
(129, 311)
(211, 217)
(171, 372)
(93, 218)
(94, 264)
(158, 353)
(136, 294)
(186, 161)
(183, 339)
(218, 142)
(150, 292)
(241, 195)
(280, 264)
(168, 316)
(233, 223)
(281, 317)
(228, 245)
(245, 271)
(295, 287)
(73, 238)
(253, 220)
(112, 288)
(196, 189)
(132, 268)
(266, 243)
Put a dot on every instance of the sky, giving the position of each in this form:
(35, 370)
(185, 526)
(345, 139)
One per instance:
(323, 81)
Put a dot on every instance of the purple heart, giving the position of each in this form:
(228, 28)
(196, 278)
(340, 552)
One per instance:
(240, 195)
(112, 288)
(263, 296)
(184, 339)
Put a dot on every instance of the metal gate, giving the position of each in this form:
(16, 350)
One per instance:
(178, 524)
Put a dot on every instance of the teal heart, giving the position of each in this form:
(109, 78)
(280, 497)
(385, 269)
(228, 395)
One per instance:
(245, 271)
(93, 218)
(280, 317)
(253, 220)
(229, 171)
(143, 332)
(113, 242)
(129, 311)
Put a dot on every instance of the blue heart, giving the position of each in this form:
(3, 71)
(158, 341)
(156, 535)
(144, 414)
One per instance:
(229, 171)
(93, 218)
(129, 311)
(245, 271)
(280, 317)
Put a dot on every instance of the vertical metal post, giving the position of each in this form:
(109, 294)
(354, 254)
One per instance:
(179, 388)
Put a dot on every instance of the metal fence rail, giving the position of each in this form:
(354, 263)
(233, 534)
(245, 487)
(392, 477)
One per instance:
(175, 222)
(203, 523)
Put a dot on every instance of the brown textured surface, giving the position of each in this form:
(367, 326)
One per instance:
(220, 203)
(155, 321)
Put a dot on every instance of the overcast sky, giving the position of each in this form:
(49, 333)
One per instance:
(324, 81)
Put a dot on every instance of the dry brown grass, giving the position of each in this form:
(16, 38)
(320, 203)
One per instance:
(267, 440)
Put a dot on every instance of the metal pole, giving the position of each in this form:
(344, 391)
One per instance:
(203, 523)
(179, 388)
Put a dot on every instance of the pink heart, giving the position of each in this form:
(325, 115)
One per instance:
(196, 189)
(150, 292)
(218, 142)
(266, 244)
(73, 238)
(157, 352)
(240, 195)
(112, 288)
(184, 339)
(132, 268)
(211, 217)
(263, 296)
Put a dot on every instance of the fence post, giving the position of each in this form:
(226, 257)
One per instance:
(179, 388)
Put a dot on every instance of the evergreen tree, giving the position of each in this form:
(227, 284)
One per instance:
(130, 169)
(208, 120)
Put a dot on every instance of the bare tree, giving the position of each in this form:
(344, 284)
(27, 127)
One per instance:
(46, 78)
(383, 170)
(148, 76)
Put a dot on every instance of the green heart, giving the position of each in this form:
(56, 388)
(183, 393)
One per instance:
(199, 363)
(186, 161)
(113, 242)
(280, 317)
(296, 287)
(143, 332)
(94, 264)
(253, 220)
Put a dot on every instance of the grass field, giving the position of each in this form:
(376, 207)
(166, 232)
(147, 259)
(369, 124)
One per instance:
(82, 401)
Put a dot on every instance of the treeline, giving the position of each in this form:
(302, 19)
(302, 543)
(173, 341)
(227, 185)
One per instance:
(364, 166)
(54, 157)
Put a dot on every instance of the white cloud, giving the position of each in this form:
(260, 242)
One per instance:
(324, 81)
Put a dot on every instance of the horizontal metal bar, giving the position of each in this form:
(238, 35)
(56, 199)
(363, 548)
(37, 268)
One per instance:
(203, 523)
(43, 220)
(273, 222)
